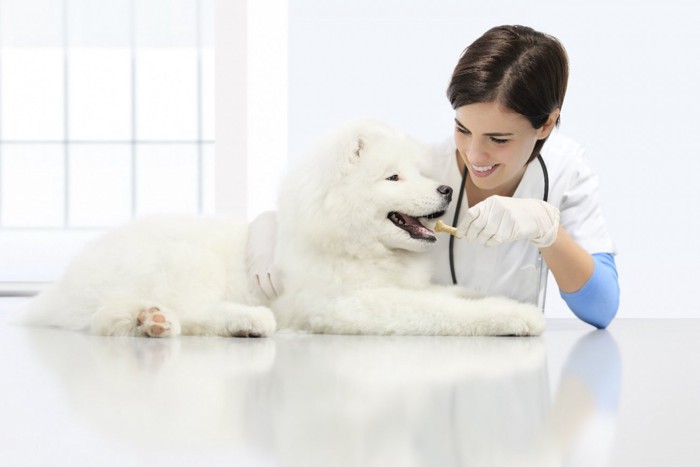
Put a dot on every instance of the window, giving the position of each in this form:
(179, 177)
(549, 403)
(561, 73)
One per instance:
(106, 114)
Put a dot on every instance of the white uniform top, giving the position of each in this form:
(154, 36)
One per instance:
(516, 269)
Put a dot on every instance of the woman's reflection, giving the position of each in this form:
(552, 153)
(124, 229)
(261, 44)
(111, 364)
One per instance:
(343, 400)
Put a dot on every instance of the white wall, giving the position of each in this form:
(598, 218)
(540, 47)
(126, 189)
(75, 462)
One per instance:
(632, 101)
(251, 105)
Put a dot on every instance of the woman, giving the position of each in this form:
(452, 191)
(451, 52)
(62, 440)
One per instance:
(522, 201)
(524, 207)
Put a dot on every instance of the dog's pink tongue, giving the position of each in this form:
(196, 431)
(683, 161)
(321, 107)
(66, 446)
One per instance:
(415, 226)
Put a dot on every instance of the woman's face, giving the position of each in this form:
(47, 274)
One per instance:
(495, 144)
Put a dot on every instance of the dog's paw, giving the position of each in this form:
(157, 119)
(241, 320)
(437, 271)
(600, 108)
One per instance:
(157, 322)
(536, 323)
(527, 322)
(258, 322)
(505, 317)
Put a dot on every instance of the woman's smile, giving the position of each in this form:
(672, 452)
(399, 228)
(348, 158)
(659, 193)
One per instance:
(483, 170)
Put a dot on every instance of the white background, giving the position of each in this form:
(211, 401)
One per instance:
(633, 102)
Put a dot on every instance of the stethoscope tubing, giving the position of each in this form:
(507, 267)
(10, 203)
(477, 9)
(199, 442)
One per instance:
(545, 197)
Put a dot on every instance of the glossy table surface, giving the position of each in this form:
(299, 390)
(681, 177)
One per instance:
(629, 396)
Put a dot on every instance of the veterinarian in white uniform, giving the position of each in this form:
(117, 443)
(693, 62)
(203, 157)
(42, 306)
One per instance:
(527, 203)
(516, 269)
(523, 207)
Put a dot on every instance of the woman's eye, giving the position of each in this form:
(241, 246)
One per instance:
(499, 140)
(393, 178)
(462, 130)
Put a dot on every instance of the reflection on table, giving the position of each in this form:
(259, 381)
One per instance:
(296, 400)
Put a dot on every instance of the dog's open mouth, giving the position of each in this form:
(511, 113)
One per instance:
(413, 226)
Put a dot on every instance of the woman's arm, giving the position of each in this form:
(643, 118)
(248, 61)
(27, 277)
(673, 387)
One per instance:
(588, 283)
(570, 264)
(597, 301)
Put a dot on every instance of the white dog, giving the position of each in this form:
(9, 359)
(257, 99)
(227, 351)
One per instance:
(354, 223)
(355, 220)
(158, 277)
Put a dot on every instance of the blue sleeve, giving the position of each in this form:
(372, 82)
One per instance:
(597, 301)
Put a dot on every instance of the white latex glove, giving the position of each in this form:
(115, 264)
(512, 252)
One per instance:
(500, 219)
(263, 277)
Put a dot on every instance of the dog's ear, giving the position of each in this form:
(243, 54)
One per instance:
(360, 146)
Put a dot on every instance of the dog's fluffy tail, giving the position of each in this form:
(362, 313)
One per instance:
(48, 308)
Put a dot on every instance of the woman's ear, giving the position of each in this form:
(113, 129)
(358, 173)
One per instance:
(549, 125)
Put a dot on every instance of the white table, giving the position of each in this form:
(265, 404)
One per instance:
(624, 397)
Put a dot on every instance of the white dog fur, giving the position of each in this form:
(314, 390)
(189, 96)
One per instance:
(346, 267)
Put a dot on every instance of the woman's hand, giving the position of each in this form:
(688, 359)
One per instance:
(500, 219)
(263, 276)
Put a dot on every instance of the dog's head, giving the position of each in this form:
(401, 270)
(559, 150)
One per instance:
(364, 190)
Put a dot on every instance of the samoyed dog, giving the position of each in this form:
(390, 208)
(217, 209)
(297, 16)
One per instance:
(354, 224)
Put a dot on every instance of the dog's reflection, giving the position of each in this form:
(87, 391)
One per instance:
(155, 394)
(348, 400)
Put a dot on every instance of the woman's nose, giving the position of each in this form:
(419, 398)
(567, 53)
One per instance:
(474, 151)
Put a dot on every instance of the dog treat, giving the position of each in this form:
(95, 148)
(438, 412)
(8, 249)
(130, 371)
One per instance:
(442, 227)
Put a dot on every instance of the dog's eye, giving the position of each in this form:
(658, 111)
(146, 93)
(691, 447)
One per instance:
(393, 178)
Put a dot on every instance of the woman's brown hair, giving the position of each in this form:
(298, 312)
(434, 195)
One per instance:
(524, 70)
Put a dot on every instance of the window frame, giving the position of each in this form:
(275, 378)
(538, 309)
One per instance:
(250, 148)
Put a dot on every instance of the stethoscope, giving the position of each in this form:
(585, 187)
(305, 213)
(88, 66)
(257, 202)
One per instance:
(545, 197)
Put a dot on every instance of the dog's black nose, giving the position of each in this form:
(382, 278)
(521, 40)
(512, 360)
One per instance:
(445, 191)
